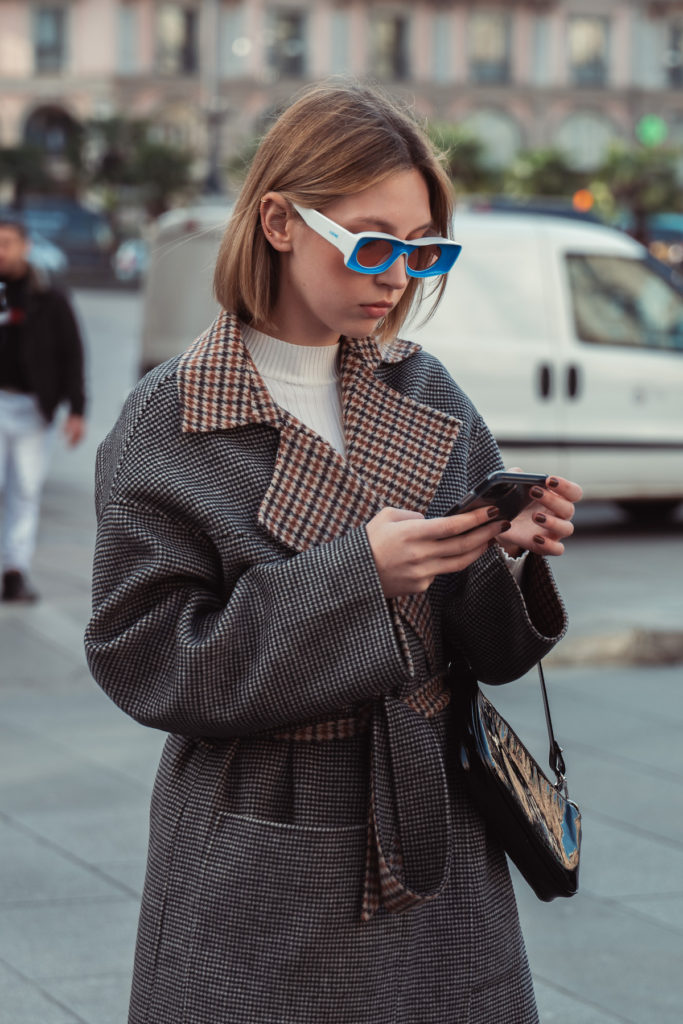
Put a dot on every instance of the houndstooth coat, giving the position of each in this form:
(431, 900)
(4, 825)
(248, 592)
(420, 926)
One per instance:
(313, 855)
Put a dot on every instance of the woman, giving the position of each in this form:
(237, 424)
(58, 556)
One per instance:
(276, 587)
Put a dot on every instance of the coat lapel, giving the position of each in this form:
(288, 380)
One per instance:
(397, 448)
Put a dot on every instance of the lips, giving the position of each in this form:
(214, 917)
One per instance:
(376, 309)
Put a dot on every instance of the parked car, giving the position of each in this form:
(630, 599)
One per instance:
(564, 333)
(178, 299)
(83, 234)
(546, 206)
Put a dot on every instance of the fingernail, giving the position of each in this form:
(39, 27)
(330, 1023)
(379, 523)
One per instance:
(505, 526)
(492, 512)
(553, 482)
(539, 539)
(536, 492)
(539, 518)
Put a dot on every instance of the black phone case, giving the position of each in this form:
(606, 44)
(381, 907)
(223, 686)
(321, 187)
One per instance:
(509, 492)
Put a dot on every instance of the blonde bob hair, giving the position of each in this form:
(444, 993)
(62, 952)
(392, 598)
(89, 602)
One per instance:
(334, 140)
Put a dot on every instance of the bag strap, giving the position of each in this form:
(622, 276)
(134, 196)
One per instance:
(555, 759)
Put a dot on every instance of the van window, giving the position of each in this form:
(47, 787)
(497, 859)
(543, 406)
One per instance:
(621, 301)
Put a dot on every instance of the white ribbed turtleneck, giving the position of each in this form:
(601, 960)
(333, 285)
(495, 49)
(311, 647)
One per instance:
(303, 379)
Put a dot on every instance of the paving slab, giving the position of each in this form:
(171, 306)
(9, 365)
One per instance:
(129, 874)
(52, 941)
(558, 1006)
(97, 999)
(667, 909)
(619, 864)
(97, 835)
(36, 872)
(614, 959)
(29, 657)
(67, 783)
(22, 1002)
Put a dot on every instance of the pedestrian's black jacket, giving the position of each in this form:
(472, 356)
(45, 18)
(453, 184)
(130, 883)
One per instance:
(52, 348)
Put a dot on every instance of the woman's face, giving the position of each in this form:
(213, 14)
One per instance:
(319, 298)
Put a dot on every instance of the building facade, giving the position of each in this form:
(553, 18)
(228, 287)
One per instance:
(522, 73)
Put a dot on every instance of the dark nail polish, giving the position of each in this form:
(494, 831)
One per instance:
(493, 513)
(505, 526)
(536, 492)
(539, 518)
(539, 540)
(553, 482)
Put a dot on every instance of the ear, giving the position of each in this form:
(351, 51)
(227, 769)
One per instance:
(277, 219)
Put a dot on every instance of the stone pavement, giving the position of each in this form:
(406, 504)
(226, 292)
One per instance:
(74, 793)
(76, 774)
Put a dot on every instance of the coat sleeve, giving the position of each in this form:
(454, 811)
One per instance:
(71, 352)
(500, 627)
(296, 638)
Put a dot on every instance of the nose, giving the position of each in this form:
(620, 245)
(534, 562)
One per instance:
(395, 276)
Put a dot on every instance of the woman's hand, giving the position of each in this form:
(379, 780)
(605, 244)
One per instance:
(410, 551)
(543, 525)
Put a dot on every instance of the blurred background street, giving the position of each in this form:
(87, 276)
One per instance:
(76, 773)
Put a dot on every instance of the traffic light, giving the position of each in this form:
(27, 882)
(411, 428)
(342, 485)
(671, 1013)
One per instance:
(652, 130)
(583, 200)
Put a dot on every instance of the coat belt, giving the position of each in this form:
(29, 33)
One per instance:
(408, 845)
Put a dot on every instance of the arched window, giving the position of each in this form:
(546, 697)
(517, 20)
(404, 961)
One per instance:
(53, 130)
(584, 138)
(499, 133)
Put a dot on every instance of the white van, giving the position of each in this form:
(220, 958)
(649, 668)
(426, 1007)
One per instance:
(564, 334)
(178, 298)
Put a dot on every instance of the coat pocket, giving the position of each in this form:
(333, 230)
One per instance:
(276, 932)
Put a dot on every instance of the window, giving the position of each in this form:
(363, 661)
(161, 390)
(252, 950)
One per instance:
(489, 36)
(588, 51)
(127, 41)
(49, 38)
(287, 44)
(341, 42)
(235, 45)
(620, 301)
(389, 47)
(177, 31)
(441, 51)
(673, 58)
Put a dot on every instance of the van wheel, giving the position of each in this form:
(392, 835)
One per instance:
(650, 512)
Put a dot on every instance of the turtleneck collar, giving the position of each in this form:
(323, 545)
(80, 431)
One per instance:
(297, 364)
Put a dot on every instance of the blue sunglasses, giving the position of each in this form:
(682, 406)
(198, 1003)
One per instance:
(372, 252)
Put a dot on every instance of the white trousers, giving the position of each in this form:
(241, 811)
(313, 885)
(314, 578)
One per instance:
(25, 440)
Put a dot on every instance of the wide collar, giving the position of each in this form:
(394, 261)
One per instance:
(396, 447)
(220, 388)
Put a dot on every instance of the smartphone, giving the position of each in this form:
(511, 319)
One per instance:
(509, 492)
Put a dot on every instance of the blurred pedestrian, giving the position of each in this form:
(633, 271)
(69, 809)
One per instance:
(41, 366)
(269, 590)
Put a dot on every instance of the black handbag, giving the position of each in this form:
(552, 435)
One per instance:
(533, 819)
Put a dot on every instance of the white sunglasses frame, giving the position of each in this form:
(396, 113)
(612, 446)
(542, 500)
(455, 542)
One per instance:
(348, 243)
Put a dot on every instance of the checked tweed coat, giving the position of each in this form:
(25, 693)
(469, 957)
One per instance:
(313, 856)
